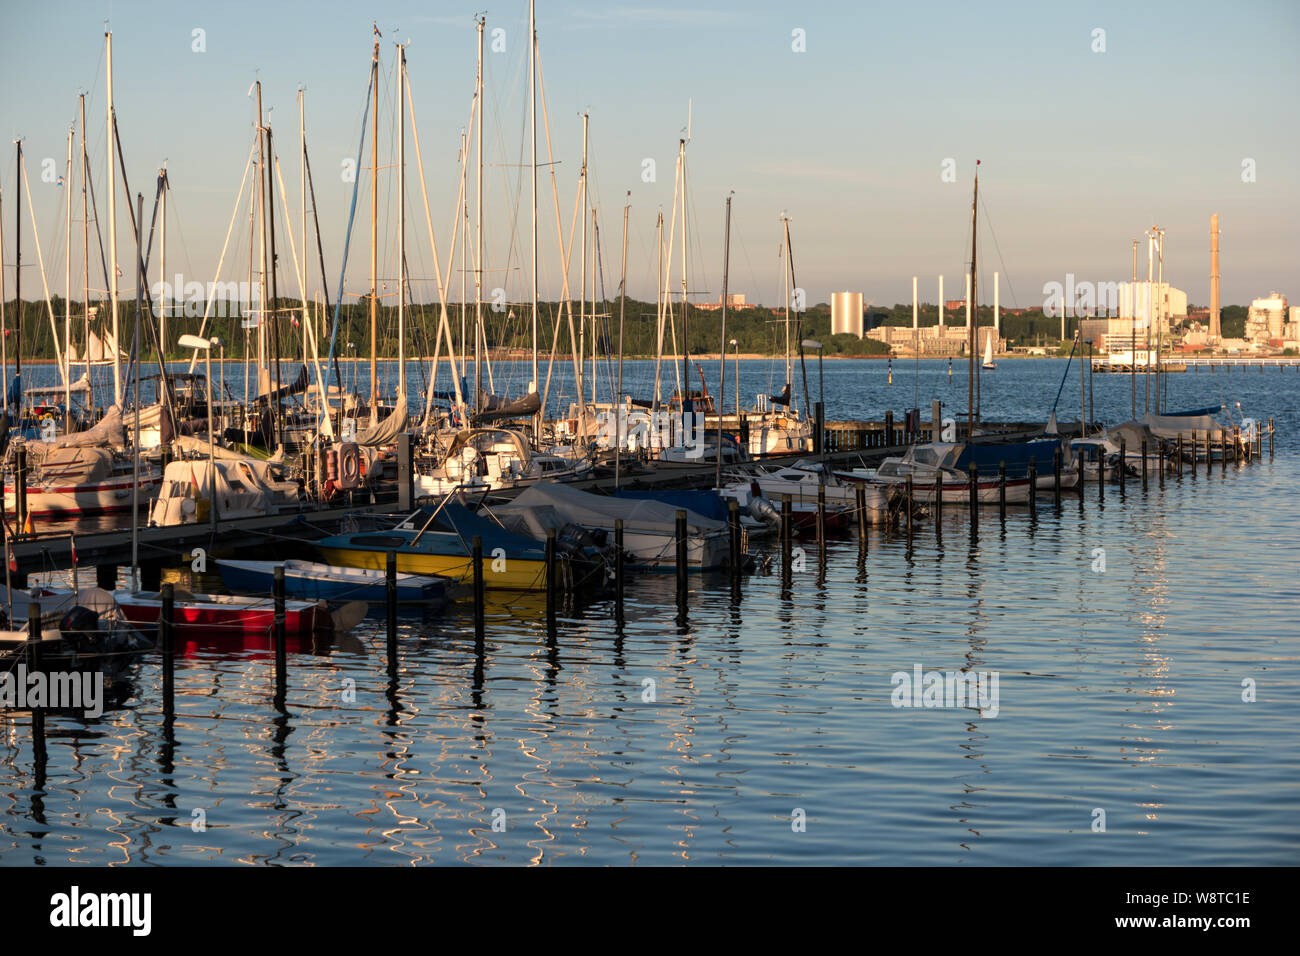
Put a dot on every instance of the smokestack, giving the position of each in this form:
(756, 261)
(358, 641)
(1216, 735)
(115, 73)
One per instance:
(1215, 331)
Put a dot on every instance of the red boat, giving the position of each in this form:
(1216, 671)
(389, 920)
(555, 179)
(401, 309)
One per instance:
(224, 615)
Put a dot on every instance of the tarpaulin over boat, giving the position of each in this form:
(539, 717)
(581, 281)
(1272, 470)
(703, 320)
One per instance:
(386, 432)
(988, 458)
(706, 503)
(550, 505)
(106, 432)
(70, 465)
(494, 407)
(459, 519)
(1171, 426)
(1133, 433)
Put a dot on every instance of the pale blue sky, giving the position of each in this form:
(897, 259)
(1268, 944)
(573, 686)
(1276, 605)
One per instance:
(1081, 151)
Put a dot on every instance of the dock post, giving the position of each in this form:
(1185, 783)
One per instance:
(281, 663)
(1123, 466)
(733, 531)
(1236, 444)
(1259, 442)
(911, 507)
(390, 606)
(938, 502)
(819, 428)
(1195, 445)
(405, 473)
(1033, 488)
(787, 533)
(1101, 475)
(974, 490)
(860, 501)
(38, 713)
(1002, 492)
(618, 566)
(744, 432)
(1056, 478)
(1209, 453)
(1178, 458)
(20, 490)
(1161, 443)
(889, 428)
(1270, 438)
(682, 543)
(821, 523)
(167, 645)
(552, 581)
(1223, 451)
(477, 551)
(1144, 464)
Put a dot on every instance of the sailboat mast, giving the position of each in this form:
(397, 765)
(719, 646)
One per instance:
(617, 403)
(686, 322)
(785, 266)
(659, 309)
(401, 222)
(478, 230)
(302, 198)
(971, 414)
(374, 227)
(582, 299)
(67, 294)
(722, 348)
(112, 225)
(85, 245)
(162, 267)
(261, 384)
(532, 112)
(18, 265)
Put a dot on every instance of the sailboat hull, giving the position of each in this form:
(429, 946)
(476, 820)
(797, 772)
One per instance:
(516, 574)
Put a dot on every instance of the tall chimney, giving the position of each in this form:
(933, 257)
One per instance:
(1215, 331)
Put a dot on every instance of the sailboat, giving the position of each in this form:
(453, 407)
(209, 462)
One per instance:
(988, 355)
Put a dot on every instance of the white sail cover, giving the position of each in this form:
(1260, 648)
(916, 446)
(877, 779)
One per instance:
(550, 505)
(107, 432)
(386, 432)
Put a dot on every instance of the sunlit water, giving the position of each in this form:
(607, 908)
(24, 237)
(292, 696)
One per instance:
(706, 742)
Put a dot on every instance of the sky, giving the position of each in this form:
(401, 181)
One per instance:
(1091, 122)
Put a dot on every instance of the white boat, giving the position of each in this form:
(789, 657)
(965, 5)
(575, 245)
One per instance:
(801, 482)
(242, 487)
(491, 459)
(988, 355)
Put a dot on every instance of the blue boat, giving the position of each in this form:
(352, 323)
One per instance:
(313, 581)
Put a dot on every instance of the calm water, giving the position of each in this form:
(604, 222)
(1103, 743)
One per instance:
(1118, 690)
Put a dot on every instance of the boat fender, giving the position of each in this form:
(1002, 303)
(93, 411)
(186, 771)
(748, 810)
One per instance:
(764, 511)
(349, 466)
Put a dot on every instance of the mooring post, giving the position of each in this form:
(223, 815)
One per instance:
(860, 502)
(682, 543)
(167, 645)
(1259, 442)
(787, 533)
(744, 431)
(552, 581)
(1270, 438)
(733, 530)
(1144, 464)
(34, 664)
(281, 655)
(1209, 453)
(821, 522)
(1236, 444)
(1002, 492)
(1033, 488)
(1056, 478)
(889, 428)
(819, 428)
(1123, 466)
(1178, 462)
(20, 494)
(1223, 451)
(477, 549)
(1160, 442)
(618, 565)
(974, 497)
(1101, 474)
(1195, 444)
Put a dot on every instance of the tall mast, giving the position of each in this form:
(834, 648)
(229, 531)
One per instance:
(112, 226)
(722, 349)
(1132, 335)
(162, 267)
(374, 224)
(582, 299)
(67, 293)
(617, 403)
(18, 264)
(785, 265)
(263, 385)
(659, 309)
(401, 222)
(1160, 294)
(302, 196)
(478, 230)
(972, 414)
(1146, 369)
(686, 322)
(532, 112)
(85, 245)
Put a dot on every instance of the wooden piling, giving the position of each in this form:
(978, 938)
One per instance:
(860, 500)
(1270, 438)
(1178, 459)
(1056, 478)
(1033, 488)
(477, 552)
(552, 581)
(1259, 441)
(33, 664)
(821, 522)
(279, 634)
(1101, 475)
(911, 506)
(973, 488)
(938, 503)
(1123, 466)
(682, 569)
(167, 646)
(618, 561)
(1002, 492)
(1144, 464)
(1195, 462)
(1161, 443)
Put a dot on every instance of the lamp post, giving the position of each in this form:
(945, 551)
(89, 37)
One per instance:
(821, 396)
(196, 343)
